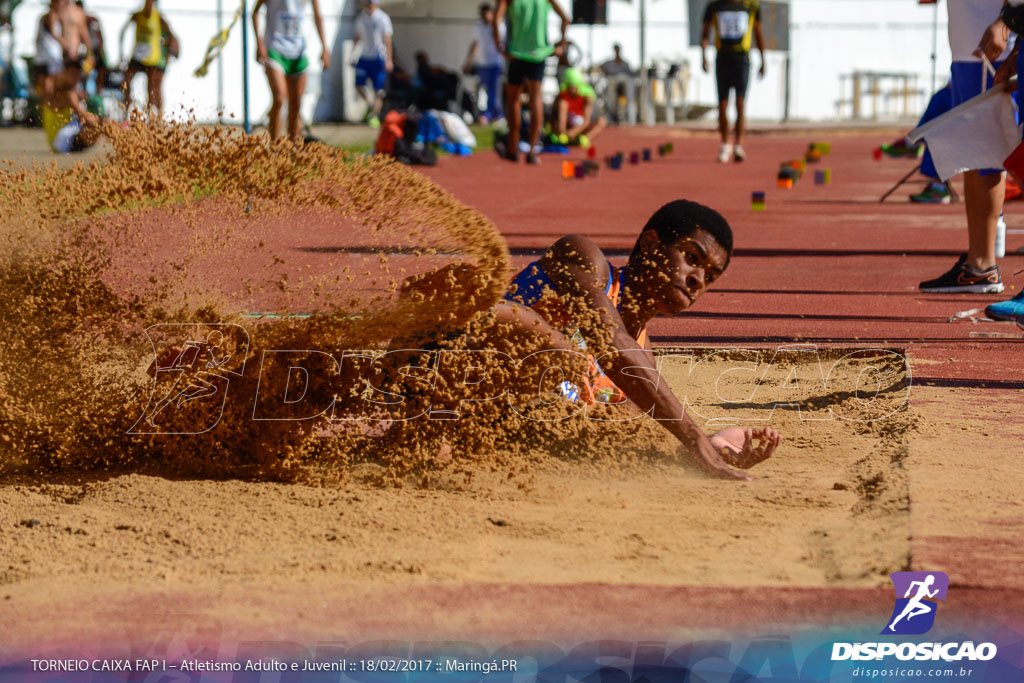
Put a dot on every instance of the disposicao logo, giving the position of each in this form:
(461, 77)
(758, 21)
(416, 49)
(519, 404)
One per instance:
(917, 594)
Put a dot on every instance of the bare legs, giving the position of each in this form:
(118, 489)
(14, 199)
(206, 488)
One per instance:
(723, 121)
(983, 197)
(284, 88)
(278, 93)
(296, 86)
(154, 87)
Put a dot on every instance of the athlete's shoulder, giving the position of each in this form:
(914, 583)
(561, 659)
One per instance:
(576, 248)
(576, 256)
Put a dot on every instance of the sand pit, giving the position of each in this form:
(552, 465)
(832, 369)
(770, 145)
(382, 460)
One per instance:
(831, 509)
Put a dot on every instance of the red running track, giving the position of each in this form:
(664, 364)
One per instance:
(823, 264)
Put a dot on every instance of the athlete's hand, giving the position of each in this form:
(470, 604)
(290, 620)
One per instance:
(745, 448)
(261, 53)
(993, 41)
(710, 460)
(389, 66)
(704, 64)
(760, 74)
(1007, 71)
(325, 59)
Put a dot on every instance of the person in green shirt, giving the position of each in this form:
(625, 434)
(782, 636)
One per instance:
(526, 49)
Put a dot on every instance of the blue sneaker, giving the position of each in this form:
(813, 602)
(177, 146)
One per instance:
(1012, 309)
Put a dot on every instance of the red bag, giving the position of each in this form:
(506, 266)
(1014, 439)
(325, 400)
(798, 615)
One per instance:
(391, 128)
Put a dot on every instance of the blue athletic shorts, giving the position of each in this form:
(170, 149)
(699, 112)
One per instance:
(967, 84)
(372, 70)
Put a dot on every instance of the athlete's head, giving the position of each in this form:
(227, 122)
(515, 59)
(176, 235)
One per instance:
(369, 6)
(486, 13)
(684, 247)
(930, 579)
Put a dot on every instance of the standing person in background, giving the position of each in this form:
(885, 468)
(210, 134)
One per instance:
(1013, 308)
(59, 40)
(281, 50)
(155, 44)
(489, 63)
(735, 22)
(49, 59)
(376, 61)
(527, 48)
(619, 76)
(976, 271)
(95, 43)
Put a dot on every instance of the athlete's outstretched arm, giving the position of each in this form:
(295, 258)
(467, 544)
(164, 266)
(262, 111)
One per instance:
(578, 268)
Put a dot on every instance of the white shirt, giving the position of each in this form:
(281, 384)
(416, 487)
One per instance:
(487, 52)
(968, 20)
(284, 27)
(48, 48)
(371, 29)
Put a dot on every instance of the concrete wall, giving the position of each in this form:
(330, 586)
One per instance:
(828, 38)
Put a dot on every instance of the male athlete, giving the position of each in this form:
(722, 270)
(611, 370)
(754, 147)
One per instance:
(734, 22)
(684, 248)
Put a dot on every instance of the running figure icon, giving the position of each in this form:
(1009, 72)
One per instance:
(191, 386)
(916, 607)
(917, 596)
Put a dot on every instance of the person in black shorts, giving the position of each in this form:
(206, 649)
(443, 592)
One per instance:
(735, 22)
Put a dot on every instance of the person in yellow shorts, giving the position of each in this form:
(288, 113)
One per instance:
(67, 121)
(155, 44)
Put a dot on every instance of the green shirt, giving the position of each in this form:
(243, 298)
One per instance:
(528, 30)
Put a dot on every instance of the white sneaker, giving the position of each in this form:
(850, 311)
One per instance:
(738, 154)
(725, 153)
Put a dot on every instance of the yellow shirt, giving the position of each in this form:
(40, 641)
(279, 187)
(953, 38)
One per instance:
(149, 48)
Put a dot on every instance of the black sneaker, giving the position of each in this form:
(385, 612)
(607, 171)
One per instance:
(532, 159)
(963, 279)
(501, 147)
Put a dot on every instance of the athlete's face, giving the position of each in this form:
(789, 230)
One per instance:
(677, 275)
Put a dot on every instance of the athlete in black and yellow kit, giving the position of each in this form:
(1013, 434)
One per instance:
(736, 22)
(155, 45)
